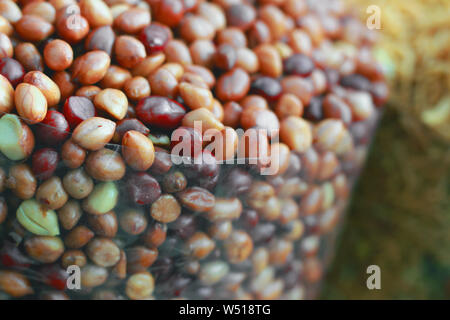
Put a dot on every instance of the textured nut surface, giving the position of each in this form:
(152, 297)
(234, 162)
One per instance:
(140, 286)
(31, 103)
(129, 51)
(15, 284)
(165, 209)
(91, 67)
(137, 150)
(195, 97)
(113, 101)
(72, 154)
(102, 199)
(37, 219)
(96, 12)
(197, 199)
(124, 91)
(133, 221)
(332, 135)
(78, 183)
(200, 245)
(103, 252)
(115, 77)
(33, 28)
(238, 246)
(51, 193)
(205, 117)
(6, 95)
(104, 225)
(148, 65)
(47, 86)
(44, 249)
(42, 9)
(137, 88)
(70, 214)
(94, 133)
(296, 133)
(214, 271)
(225, 209)
(269, 60)
(73, 257)
(105, 165)
(78, 237)
(58, 55)
(93, 276)
(132, 20)
(16, 138)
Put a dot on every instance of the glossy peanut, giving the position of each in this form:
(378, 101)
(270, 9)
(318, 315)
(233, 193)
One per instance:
(58, 55)
(29, 56)
(105, 165)
(90, 67)
(113, 101)
(31, 103)
(137, 150)
(46, 85)
(94, 133)
(72, 154)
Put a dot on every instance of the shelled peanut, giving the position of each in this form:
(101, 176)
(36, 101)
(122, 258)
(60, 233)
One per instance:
(97, 96)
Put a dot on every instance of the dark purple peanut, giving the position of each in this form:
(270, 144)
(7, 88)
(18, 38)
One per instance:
(3, 210)
(142, 188)
(101, 38)
(126, 125)
(162, 161)
(174, 182)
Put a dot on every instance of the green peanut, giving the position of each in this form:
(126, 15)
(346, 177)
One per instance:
(16, 138)
(102, 199)
(328, 195)
(160, 140)
(37, 219)
(214, 271)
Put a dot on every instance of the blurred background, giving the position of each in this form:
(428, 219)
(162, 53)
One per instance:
(399, 218)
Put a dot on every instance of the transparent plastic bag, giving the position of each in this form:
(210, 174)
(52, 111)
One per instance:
(95, 203)
(195, 231)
